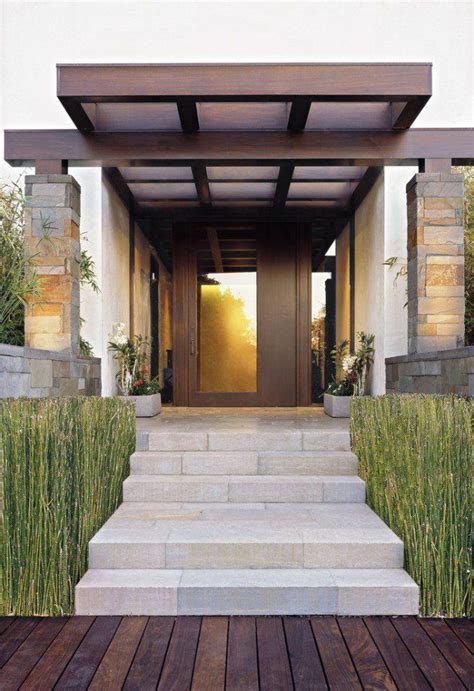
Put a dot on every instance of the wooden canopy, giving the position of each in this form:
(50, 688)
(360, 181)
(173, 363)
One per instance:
(228, 141)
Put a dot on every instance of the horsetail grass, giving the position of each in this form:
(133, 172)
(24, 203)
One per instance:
(415, 454)
(64, 461)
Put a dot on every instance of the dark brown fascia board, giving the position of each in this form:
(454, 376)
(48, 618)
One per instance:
(390, 81)
(358, 148)
(219, 214)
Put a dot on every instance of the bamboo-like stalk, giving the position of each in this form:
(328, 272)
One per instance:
(416, 455)
(64, 463)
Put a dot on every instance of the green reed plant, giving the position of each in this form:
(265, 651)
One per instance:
(64, 464)
(416, 455)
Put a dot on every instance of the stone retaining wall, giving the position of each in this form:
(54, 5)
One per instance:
(39, 373)
(441, 372)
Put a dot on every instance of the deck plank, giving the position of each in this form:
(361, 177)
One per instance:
(458, 656)
(148, 662)
(179, 662)
(273, 663)
(20, 664)
(83, 664)
(367, 660)
(50, 667)
(464, 629)
(400, 663)
(5, 623)
(432, 664)
(114, 666)
(15, 635)
(340, 671)
(242, 664)
(304, 657)
(209, 670)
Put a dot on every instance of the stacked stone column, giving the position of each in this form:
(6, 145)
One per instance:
(435, 262)
(52, 221)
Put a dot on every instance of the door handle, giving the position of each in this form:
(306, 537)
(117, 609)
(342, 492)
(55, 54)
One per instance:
(193, 346)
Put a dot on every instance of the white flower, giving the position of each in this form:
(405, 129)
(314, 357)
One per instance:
(348, 362)
(118, 336)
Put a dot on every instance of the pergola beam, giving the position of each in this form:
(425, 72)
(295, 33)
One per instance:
(283, 186)
(370, 148)
(202, 185)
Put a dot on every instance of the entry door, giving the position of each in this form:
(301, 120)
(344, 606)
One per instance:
(242, 296)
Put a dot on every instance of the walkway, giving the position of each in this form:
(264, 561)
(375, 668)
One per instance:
(271, 653)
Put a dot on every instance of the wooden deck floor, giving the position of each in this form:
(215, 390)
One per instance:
(244, 653)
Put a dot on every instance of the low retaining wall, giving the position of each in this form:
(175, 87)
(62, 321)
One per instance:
(442, 372)
(40, 373)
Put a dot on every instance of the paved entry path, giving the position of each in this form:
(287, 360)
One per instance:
(245, 512)
(244, 653)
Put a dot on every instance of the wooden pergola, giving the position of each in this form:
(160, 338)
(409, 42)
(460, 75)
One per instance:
(230, 142)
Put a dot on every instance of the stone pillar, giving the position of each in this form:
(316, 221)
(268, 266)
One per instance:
(435, 262)
(52, 218)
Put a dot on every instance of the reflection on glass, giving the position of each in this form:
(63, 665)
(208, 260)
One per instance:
(227, 332)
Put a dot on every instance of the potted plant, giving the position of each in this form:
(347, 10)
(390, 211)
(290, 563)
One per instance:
(350, 375)
(132, 378)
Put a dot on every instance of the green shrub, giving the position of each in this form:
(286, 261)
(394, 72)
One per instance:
(415, 454)
(64, 464)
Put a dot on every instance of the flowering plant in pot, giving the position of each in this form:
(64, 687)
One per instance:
(132, 378)
(351, 372)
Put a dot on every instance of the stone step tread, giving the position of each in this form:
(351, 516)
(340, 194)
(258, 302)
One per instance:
(244, 462)
(242, 488)
(246, 591)
(320, 515)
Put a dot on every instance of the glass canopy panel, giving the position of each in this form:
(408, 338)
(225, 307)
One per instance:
(319, 190)
(148, 192)
(157, 173)
(328, 172)
(345, 116)
(242, 190)
(133, 117)
(243, 116)
(242, 173)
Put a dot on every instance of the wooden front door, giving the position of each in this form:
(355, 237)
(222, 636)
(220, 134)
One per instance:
(242, 298)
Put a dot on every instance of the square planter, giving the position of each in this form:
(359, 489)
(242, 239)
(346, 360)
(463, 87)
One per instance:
(145, 406)
(337, 406)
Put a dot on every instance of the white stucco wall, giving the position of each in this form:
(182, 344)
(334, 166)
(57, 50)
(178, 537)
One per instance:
(115, 277)
(35, 35)
(369, 278)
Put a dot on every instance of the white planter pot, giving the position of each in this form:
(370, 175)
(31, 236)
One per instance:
(337, 406)
(145, 406)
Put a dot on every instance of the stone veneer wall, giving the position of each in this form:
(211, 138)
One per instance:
(39, 373)
(442, 372)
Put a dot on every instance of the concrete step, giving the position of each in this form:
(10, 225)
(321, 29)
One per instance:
(332, 439)
(252, 592)
(243, 463)
(243, 488)
(244, 544)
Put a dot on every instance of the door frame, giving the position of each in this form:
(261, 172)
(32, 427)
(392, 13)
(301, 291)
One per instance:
(184, 320)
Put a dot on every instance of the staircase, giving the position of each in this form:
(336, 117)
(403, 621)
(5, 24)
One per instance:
(228, 520)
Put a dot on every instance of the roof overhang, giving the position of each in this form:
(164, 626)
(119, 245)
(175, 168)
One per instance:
(223, 139)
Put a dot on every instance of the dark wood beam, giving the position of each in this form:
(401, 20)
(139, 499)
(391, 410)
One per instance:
(51, 167)
(218, 214)
(115, 178)
(336, 81)
(202, 185)
(405, 113)
(78, 115)
(435, 165)
(232, 181)
(24, 147)
(365, 185)
(299, 114)
(188, 115)
(215, 250)
(283, 186)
